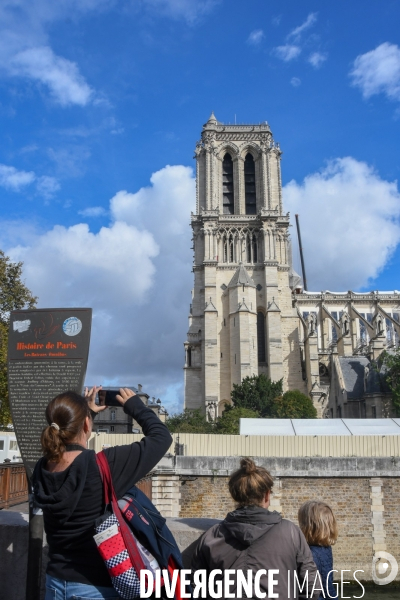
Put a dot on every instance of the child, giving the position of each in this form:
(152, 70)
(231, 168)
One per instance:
(318, 524)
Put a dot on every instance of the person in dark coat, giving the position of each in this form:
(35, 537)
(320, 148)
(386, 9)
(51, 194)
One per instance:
(68, 488)
(318, 523)
(252, 538)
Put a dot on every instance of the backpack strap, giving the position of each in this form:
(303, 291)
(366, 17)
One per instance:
(111, 498)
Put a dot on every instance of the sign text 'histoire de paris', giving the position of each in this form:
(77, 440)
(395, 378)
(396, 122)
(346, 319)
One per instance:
(47, 354)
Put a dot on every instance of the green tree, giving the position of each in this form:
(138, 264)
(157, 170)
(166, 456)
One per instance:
(293, 405)
(228, 423)
(391, 369)
(189, 421)
(256, 393)
(14, 295)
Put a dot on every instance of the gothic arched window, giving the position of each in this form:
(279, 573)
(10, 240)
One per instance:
(251, 247)
(227, 185)
(254, 248)
(250, 185)
(231, 249)
(261, 337)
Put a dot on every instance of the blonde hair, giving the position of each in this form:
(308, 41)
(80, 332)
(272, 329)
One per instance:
(318, 523)
(250, 484)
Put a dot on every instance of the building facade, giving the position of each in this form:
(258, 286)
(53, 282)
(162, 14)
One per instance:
(249, 314)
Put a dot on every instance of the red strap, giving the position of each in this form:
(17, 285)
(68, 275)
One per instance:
(172, 566)
(111, 498)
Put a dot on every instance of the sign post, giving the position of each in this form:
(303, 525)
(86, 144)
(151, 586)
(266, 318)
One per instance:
(47, 354)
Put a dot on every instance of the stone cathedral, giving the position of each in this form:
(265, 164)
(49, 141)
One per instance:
(249, 313)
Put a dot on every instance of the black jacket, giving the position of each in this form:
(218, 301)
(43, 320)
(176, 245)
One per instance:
(253, 538)
(73, 499)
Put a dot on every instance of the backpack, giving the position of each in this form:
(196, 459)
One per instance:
(149, 527)
(132, 536)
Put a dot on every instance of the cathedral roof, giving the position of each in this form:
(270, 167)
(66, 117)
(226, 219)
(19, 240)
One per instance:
(361, 376)
(241, 277)
(353, 368)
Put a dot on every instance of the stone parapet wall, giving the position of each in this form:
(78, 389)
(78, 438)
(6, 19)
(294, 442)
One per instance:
(350, 501)
(166, 494)
(208, 497)
(390, 502)
(362, 492)
(299, 466)
(205, 497)
(365, 526)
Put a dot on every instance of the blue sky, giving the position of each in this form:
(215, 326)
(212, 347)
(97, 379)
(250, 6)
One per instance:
(101, 103)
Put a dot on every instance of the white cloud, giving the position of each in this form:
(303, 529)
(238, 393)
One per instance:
(47, 186)
(29, 148)
(70, 159)
(350, 223)
(287, 52)
(93, 211)
(135, 273)
(295, 81)
(169, 197)
(378, 71)
(256, 37)
(294, 44)
(316, 59)
(112, 266)
(14, 180)
(190, 10)
(298, 31)
(61, 76)
(25, 51)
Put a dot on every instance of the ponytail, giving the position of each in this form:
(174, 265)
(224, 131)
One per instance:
(66, 415)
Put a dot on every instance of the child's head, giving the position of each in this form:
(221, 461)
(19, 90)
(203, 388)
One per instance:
(318, 523)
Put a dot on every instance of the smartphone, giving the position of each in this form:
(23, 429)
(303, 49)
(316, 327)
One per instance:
(108, 398)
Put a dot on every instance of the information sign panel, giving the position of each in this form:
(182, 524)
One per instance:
(47, 354)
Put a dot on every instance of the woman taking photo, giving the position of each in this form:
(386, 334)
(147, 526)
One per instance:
(253, 538)
(69, 490)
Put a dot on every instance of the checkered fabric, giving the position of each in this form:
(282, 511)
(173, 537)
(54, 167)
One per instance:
(116, 558)
(111, 520)
(127, 585)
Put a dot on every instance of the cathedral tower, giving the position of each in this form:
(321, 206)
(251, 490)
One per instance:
(242, 321)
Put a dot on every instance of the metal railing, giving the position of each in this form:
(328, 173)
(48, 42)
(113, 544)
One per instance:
(13, 485)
